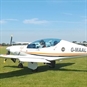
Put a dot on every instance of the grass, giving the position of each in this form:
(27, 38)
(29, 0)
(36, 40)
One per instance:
(67, 73)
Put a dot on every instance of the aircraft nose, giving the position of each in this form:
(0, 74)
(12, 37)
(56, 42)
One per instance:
(13, 49)
(8, 48)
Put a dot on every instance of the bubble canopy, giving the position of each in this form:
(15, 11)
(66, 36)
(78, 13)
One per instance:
(44, 43)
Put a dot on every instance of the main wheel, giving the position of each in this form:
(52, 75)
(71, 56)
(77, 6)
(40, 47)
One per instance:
(20, 65)
(52, 64)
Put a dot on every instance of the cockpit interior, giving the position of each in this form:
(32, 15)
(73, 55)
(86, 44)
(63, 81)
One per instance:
(44, 43)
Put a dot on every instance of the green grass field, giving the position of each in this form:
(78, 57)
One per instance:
(67, 73)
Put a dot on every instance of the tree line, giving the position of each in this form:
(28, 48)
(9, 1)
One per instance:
(7, 44)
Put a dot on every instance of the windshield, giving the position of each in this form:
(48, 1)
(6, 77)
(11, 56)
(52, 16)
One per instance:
(44, 43)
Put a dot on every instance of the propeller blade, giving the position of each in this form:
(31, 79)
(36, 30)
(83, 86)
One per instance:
(11, 40)
(8, 53)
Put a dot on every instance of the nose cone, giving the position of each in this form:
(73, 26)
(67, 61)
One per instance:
(8, 48)
(13, 49)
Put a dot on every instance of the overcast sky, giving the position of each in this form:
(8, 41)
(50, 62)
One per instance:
(29, 20)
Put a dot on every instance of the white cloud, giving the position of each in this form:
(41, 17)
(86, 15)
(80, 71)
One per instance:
(3, 21)
(11, 19)
(68, 14)
(83, 16)
(85, 20)
(35, 21)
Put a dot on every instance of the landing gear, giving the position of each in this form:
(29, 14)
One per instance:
(52, 64)
(8, 53)
(20, 65)
(14, 60)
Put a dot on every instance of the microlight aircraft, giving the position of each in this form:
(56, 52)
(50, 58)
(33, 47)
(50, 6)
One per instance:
(45, 51)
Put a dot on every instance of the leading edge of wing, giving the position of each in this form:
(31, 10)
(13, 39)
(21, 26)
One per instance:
(9, 56)
(33, 58)
(29, 58)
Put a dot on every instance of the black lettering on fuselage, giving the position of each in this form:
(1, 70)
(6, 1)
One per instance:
(78, 49)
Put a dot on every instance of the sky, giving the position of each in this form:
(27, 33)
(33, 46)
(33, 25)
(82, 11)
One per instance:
(29, 20)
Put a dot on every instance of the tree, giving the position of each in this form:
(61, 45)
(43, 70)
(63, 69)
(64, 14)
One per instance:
(3, 44)
(74, 41)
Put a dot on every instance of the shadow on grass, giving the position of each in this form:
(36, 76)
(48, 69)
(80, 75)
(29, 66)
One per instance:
(26, 71)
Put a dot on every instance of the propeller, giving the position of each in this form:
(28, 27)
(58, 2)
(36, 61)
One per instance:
(8, 52)
(11, 40)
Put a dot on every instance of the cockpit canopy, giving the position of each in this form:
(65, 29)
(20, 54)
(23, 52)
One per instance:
(44, 43)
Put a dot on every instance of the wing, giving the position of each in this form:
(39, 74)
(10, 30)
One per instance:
(35, 58)
(32, 58)
(29, 58)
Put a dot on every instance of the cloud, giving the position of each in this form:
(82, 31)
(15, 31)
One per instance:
(69, 14)
(83, 16)
(3, 21)
(35, 21)
(85, 20)
(11, 19)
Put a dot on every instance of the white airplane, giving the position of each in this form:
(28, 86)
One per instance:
(46, 51)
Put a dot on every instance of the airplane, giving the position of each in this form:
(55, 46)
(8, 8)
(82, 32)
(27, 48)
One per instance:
(45, 51)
